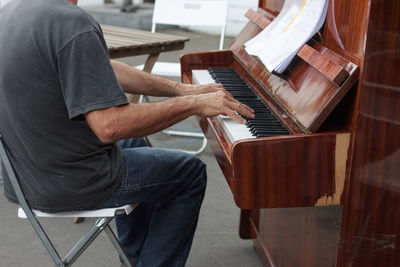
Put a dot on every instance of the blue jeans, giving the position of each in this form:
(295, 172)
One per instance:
(170, 186)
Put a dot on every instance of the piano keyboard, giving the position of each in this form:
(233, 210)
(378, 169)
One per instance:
(265, 124)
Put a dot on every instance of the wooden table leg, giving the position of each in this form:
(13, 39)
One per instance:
(148, 66)
(150, 61)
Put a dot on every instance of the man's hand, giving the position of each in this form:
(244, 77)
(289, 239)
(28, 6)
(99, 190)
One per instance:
(183, 89)
(221, 102)
(214, 100)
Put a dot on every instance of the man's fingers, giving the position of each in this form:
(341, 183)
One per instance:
(229, 95)
(231, 113)
(241, 108)
(246, 110)
(212, 87)
(222, 102)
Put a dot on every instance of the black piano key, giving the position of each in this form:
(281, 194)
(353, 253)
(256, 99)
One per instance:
(259, 108)
(237, 89)
(229, 79)
(269, 130)
(233, 86)
(271, 125)
(263, 117)
(264, 123)
(260, 134)
(243, 94)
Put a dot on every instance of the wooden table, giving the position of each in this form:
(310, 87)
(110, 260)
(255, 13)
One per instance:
(124, 42)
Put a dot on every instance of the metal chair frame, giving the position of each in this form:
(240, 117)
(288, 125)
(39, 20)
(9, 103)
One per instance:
(100, 224)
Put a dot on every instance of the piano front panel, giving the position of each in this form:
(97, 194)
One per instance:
(290, 171)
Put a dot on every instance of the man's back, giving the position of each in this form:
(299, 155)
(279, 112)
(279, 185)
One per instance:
(61, 163)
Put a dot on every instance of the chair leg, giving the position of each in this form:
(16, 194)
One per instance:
(45, 240)
(78, 219)
(24, 205)
(86, 240)
(189, 134)
(117, 246)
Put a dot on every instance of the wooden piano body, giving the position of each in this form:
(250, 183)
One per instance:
(328, 194)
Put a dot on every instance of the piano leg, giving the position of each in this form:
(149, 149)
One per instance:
(248, 220)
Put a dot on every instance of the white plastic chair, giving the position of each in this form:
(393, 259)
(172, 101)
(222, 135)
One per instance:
(187, 13)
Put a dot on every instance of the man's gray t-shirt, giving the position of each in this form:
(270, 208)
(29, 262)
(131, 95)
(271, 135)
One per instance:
(55, 67)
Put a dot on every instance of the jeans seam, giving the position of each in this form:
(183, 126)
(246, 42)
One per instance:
(116, 201)
(179, 258)
(135, 188)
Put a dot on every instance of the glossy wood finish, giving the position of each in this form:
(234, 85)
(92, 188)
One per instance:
(298, 237)
(308, 94)
(334, 72)
(345, 28)
(260, 172)
(257, 18)
(330, 69)
(371, 220)
(271, 6)
(366, 32)
(284, 172)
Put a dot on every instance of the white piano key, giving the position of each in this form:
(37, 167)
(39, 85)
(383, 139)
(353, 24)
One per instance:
(202, 77)
(234, 130)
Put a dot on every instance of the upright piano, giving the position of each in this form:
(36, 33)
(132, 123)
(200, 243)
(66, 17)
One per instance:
(317, 174)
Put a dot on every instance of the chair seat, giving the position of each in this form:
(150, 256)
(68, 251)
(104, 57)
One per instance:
(108, 212)
(165, 69)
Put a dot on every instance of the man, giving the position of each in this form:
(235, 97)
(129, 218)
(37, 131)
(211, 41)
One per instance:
(62, 110)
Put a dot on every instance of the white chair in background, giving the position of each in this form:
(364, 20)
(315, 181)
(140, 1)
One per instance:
(186, 13)
(3, 2)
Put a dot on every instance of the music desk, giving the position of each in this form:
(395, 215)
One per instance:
(125, 42)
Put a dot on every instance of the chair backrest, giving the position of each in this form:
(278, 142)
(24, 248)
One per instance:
(191, 13)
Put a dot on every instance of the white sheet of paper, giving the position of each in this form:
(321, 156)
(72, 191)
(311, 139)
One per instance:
(279, 42)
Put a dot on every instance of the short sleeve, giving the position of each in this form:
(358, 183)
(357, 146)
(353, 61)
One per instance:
(88, 81)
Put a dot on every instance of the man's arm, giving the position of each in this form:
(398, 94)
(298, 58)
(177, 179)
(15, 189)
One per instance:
(134, 81)
(138, 120)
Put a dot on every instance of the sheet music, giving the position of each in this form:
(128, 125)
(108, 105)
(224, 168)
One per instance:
(280, 41)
